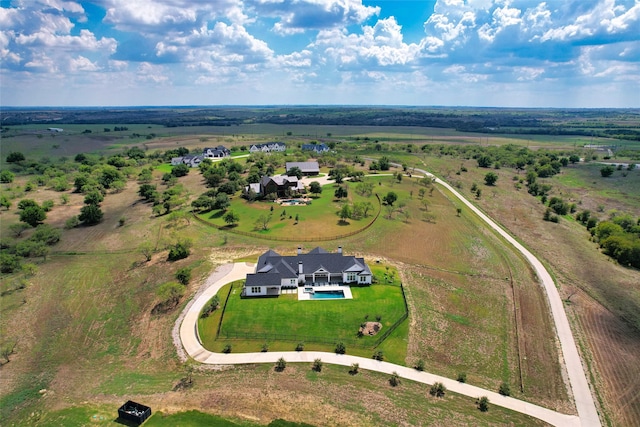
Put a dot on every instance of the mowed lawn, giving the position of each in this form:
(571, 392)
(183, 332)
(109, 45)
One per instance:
(286, 318)
(318, 220)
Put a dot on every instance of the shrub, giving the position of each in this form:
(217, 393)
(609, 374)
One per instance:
(420, 365)
(354, 368)
(211, 306)
(317, 365)
(227, 349)
(340, 348)
(378, 355)
(265, 348)
(438, 390)
(462, 377)
(300, 346)
(180, 250)
(504, 389)
(183, 275)
(281, 364)
(170, 293)
(483, 404)
(72, 222)
(394, 380)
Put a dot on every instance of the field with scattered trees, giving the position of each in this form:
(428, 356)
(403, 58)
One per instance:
(103, 242)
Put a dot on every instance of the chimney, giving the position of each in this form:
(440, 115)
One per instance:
(299, 250)
(300, 267)
(339, 249)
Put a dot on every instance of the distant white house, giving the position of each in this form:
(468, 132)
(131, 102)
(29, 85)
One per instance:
(275, 272)
(55, 129)
(268, 147)
(216, 153)
(317, 148)
(307, 168)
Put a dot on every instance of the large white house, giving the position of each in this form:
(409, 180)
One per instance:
(216, 153)
(268, 147)
(275, 272)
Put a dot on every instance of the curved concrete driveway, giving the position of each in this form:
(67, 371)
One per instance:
(580, 387)
(587, 412)
(194, 348)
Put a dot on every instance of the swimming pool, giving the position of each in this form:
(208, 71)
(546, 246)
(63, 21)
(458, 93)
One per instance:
(339, 294)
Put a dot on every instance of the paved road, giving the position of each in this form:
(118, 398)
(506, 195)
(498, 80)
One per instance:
(224, 275)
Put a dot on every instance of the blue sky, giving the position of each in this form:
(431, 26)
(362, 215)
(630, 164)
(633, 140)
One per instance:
(511, 53)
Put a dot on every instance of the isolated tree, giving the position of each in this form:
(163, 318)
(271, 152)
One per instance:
(420, 365)
(490, 178)
(315, 187)
(317, 365)
(33, 215)
(231, 218)
(262, 223)
(222, 201)
(384, 163)
(90, 214)
(340, 348)
(345, 213)
(354, 368)
(146, 249)
(390, 198)
(484, 161)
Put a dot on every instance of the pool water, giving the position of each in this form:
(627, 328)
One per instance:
(327, 295)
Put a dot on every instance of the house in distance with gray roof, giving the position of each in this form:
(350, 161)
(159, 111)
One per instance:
(318, 267)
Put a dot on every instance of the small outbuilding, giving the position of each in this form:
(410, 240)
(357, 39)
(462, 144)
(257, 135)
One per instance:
(134, 412)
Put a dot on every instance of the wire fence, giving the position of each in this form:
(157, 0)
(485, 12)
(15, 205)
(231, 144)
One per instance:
(299, 238)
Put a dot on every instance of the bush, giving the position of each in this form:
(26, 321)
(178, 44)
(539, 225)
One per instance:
(317, 365)
(265, 348)
(378, 355)
(420, 365)
(394, 380)
(300, 346)
(227, 349)
(91, 214)
(504, 389)
(462, 377)
(354, 368)
(438, 390)
(281, 364)
(211, 306)
(340, 348)
(183, 275)
(170, 293)
(483, 404)
(180, 250)
(72, 222)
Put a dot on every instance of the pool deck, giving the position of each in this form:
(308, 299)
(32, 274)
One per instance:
(306, 296)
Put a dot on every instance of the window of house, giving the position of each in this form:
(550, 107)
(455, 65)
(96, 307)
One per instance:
(351, 277)
(255, 289)
(363, 278)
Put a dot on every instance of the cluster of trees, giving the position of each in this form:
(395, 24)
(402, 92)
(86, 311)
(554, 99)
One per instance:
(619, 237)
(14, 251)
